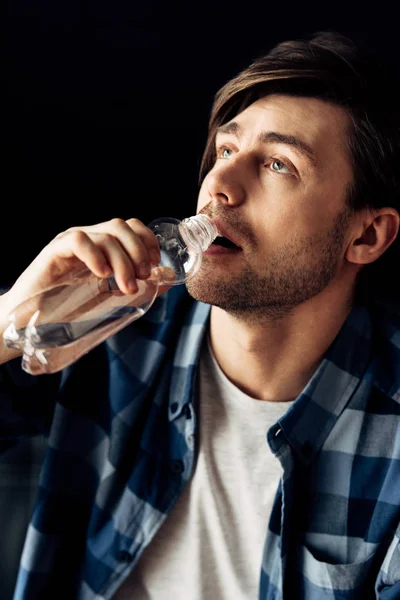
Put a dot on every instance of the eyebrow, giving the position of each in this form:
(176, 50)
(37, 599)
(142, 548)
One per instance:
(267, 137)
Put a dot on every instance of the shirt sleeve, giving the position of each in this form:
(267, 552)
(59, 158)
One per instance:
(26, 403)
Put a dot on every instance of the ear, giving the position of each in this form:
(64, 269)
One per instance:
(374, 235)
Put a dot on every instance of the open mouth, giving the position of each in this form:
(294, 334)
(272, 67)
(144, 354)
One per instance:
(225, 243)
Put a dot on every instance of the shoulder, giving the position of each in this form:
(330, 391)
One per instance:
(386, 348)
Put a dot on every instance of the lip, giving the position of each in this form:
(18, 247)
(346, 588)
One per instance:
(220, 250)
(225, 233)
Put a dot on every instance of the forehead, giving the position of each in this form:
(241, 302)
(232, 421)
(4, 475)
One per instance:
(321, 125)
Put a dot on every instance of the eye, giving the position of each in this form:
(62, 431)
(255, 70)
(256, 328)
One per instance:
(278, 166)
(224, 152)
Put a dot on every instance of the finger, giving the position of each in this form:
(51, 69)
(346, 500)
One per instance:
(129, 248)
(162, 289)
(138, 241)
(166, 275)
(149, 238)
(123, 265)
(127, 232)
(79, 244)
(102, 254)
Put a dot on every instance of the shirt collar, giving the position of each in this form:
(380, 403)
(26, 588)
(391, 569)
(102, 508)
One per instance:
(310, 419)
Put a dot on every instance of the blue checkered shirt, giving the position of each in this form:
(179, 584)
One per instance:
(122, 440)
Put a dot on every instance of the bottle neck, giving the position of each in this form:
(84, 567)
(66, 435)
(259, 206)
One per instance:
(198, 231)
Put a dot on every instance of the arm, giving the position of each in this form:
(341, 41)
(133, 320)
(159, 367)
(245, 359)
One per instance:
(116, 247)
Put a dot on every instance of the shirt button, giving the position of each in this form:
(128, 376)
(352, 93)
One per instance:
(177, 467)
(124, 556)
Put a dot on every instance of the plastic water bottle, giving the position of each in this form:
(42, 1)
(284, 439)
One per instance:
(56, 327)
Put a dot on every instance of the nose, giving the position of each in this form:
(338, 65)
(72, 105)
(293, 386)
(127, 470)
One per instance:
(225, 184)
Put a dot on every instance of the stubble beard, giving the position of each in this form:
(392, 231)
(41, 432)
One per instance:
(295, 272)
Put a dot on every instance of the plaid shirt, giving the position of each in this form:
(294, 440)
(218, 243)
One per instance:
(122, 441)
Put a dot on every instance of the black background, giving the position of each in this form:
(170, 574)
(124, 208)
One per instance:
(107, 103)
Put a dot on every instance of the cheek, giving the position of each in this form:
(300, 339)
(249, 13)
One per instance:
(285, 216)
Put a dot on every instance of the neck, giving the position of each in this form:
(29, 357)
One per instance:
(274, 360)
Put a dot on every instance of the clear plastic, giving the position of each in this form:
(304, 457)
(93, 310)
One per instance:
(59, 325)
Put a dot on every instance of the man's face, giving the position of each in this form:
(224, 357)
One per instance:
(278, 189)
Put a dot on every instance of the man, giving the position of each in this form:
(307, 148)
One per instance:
(240, 441)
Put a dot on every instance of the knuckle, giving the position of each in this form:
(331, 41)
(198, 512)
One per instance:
(108, 238)
(117, 223)
(78, 237)
(62, 234)
(132, 222)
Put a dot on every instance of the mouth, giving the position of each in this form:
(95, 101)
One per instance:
(222, 246)
(225, 242)
(225, 239)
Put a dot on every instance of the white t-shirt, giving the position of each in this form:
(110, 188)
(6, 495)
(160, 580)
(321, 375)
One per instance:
(210, 546)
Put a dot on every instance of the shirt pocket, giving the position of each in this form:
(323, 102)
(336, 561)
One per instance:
(353, 580)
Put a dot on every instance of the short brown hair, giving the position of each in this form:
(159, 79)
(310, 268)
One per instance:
(331, 67)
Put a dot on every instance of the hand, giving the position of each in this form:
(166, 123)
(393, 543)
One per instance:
(125, 249)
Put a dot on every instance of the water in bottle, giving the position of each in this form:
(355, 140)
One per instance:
(59, 325)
